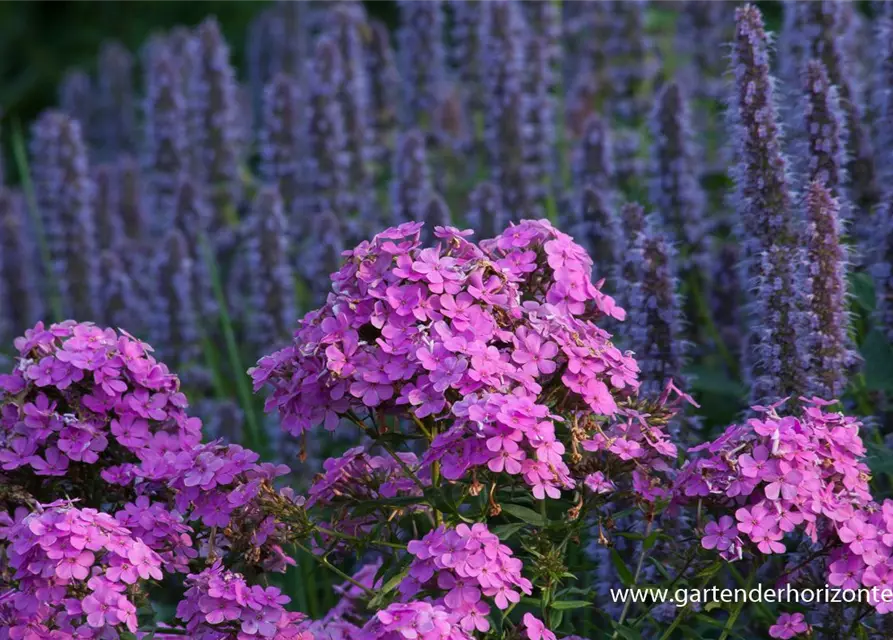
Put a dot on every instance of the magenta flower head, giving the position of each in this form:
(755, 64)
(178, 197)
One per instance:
(462, 335)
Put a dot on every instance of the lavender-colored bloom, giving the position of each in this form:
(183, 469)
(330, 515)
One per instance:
(598, 229)
(544, 20)
(131, 198)
(628, 49)
(825, 129)
(77, 98)
(165, 156)
(703, 29)
(632, 224)
(192, 217)
(346, 22)
(299, 19)
(272, 316)
(411, 182)
(586, 27)
(321, 255)
(465, 51)
(725, 294)
(437, 214)
(325, 158)
(775, 357)
(883, 91)
(675, 188)
(655, 311)
(539, 121)
(502, 34)
(629, 166)
(384, 92)
(281, 142)
(825, 260)
(121, 303)
(592, 162)
(263, 52)
(486, 214)
(116, 118)
(173, 318)
(21, 302)
(213, 122)
(181, 42)
(65, 202)
(581, 103)
(421, 57)
(820, 34)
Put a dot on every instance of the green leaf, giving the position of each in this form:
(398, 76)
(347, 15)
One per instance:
(650, 540)
(571, 604)
(506, 531)
(710, 570)
(862, 288)
(523, 513)
(627, 632)
(878, 357)
(626, 576)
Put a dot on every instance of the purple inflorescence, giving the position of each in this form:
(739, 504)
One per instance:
(825, 131)
(173, 321)
(631, 224)
(105, 208)
(77, 98)
(465, 51)
(411, 181)
(437, 214)
(819, 32)
(116, 124)
(281, 143)
(628, 50)
(165, 157)
(192, 217)
(384, 92)
(776, 355)
(421, 58)
(655, 311)
(539, 120)
(502, 34)
(21, 303)
(325, 158)
(272, 313)
(346, 25)
(703, 29)
(64, 193)
(675, 190)
(828, 319)
(882, 97)
(485, 212)
(213, 109)
(592, 162)
(597, 228)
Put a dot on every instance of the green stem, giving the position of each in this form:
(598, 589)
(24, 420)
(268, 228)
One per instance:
(338, 572)
(350, 538)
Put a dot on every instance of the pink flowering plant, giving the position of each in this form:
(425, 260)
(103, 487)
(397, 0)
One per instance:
(494, 426)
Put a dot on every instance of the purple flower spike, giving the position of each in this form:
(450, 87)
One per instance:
(21, 302)
(272, 313)
(165, 144)
(214, 113)
(465, 53)
(485, 211)
(384, 93)
(65, 202)
(825, 130)
(829, 353)
(675, 187)
(820, 31)
(116, 118)
(437, 214)
(421, 58)
(281, 142)
(597, 227)
(326, 162)
(77, 98)
(411, 183)
(502, 34)
(173, 319)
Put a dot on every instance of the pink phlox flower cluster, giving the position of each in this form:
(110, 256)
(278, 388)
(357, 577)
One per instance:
(782, 475)
(78, 390)
(220, 604)
(60, 553)
(535, 629)
(413, 621)
(466, 563)
(458, 330)
(162, 530)
(789, 625)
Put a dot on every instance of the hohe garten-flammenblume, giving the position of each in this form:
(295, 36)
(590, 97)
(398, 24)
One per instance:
(498, 421)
